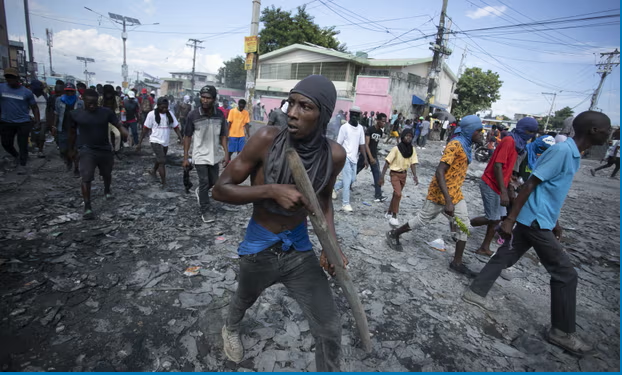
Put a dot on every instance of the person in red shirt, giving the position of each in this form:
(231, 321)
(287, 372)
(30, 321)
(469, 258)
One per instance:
(496, 178)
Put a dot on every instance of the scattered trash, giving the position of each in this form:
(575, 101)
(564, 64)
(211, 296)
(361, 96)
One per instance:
(219, 240)
(192, 271)
(437, 244)
(367, 204)
(17, 312)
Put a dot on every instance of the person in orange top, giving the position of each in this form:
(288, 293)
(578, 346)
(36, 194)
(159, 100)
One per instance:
(445, 191)
(239, 127)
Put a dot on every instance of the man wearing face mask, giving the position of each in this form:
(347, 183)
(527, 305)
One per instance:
(62, 125)
(208, 127)
(15, 104)
(352, 138)
(276, 246)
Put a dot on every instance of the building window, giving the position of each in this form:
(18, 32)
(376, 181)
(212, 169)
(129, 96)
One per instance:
(336, 71)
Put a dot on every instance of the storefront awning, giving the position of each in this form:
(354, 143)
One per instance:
(418, 101)
(440, 107)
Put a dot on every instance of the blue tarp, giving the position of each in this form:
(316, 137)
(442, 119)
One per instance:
(418, 101)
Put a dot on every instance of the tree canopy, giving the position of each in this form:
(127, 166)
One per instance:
(282, 29)
(557, 120)
(477, 90)
(235, 77)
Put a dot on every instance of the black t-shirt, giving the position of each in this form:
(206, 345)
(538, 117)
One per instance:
(131, 108)
(374, 136)
(93, 127)
(67, 121)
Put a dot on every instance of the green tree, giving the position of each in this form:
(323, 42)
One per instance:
(232, 74)
(557, 120)
(282, 29)
(476, 90)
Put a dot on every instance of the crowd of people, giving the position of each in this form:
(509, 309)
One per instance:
(523, 187)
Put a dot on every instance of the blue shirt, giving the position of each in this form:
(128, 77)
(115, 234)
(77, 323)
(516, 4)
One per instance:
(258, 239)
(15, 104)
(556, 168)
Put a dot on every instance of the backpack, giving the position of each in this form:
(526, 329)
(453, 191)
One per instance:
(145, 105)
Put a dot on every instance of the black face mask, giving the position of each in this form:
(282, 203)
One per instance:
(354, 119)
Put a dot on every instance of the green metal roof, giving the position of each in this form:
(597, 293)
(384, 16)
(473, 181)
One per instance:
(396, 62)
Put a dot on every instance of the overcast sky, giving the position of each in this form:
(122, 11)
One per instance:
(559, 59)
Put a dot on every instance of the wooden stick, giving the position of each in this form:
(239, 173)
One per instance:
(329, 244)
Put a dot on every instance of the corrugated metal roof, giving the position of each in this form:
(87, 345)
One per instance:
(397, 62)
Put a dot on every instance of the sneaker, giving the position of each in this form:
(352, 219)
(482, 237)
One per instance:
(76, 173)
(88, 215)
(393, 221)
(569, 341)
(477, 300)
(108, 196)
(334, 194)
(388, 216)
(380, 199)
(40, 154)
(196, 193)
(422, 147)
(394, 241)
(21, 170)
(347, 208)
(206, 217)
(593, 172)
(462, 269)
(232, 345)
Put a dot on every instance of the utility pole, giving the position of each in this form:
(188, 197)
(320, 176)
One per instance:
(86, 71)
(49, 34)
(137, 73)
(551, 109)
(461, 66)
(194, 58)
(251, 74)
(31, 59)
(608, 60)
(436, 67)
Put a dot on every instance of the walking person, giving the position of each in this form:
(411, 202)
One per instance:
(425, 130)
(160, 121)
(146, 103)
(372, 136)
(613, 157)
(16, 102)
(445, 191)
(206, 130)
(352, 138)
(184, 109)
(494, 183)
(239, 127)
(65, 104)
(400, 159)
(276, 247)
(37, 136)
(533, 222)
(89, 135)
(132, 111)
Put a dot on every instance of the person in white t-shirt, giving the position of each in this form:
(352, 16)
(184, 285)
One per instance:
(352, 138)
(160, 121)
(613, 157)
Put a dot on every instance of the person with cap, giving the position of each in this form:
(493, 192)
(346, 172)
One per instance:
(401, 158)
(239, 127)
(65, 104)
(160, 122)
(146, 103)
(445, 191)
(16, 102)
(89, 132)
(206, 130)
(276, 247)
(132, 109)
(352, 138)
(494, 183)
(279, 116)
(425, 130)
(534, 222)
(417, 127)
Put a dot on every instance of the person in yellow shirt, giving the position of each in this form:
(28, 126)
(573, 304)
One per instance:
(239, 127)
(401, 157)
(445, 192)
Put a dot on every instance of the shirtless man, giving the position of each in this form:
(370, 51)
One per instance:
(276, 248)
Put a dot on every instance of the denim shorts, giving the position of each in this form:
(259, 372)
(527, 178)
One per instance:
(492, 202)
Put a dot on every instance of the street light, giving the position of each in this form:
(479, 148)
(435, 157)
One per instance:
(86, 72)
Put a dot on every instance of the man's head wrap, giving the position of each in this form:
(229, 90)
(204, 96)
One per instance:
(314, 151)
(567, 128)
(163, 101)
(468, 125)
(406, 149)
(536, 148)
(209, 89)
(521, 137)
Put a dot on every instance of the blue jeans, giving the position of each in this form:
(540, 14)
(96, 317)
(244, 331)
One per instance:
(348, 176)
(375, 172)
(134, 129)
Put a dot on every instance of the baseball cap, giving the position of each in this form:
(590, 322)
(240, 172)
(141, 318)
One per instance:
(131, 94)
(421, 118)
(143, 91)
(11, 72)
(70, 86)
(153, 92)
(355, 109)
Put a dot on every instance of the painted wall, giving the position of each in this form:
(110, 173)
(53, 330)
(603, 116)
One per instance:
(286, 85)
(372, 94)
(231, 92)
(270, 102)
(402, 92)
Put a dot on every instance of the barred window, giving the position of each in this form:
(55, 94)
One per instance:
(297, 71)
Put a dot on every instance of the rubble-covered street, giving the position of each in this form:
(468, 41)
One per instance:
(116, 293)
